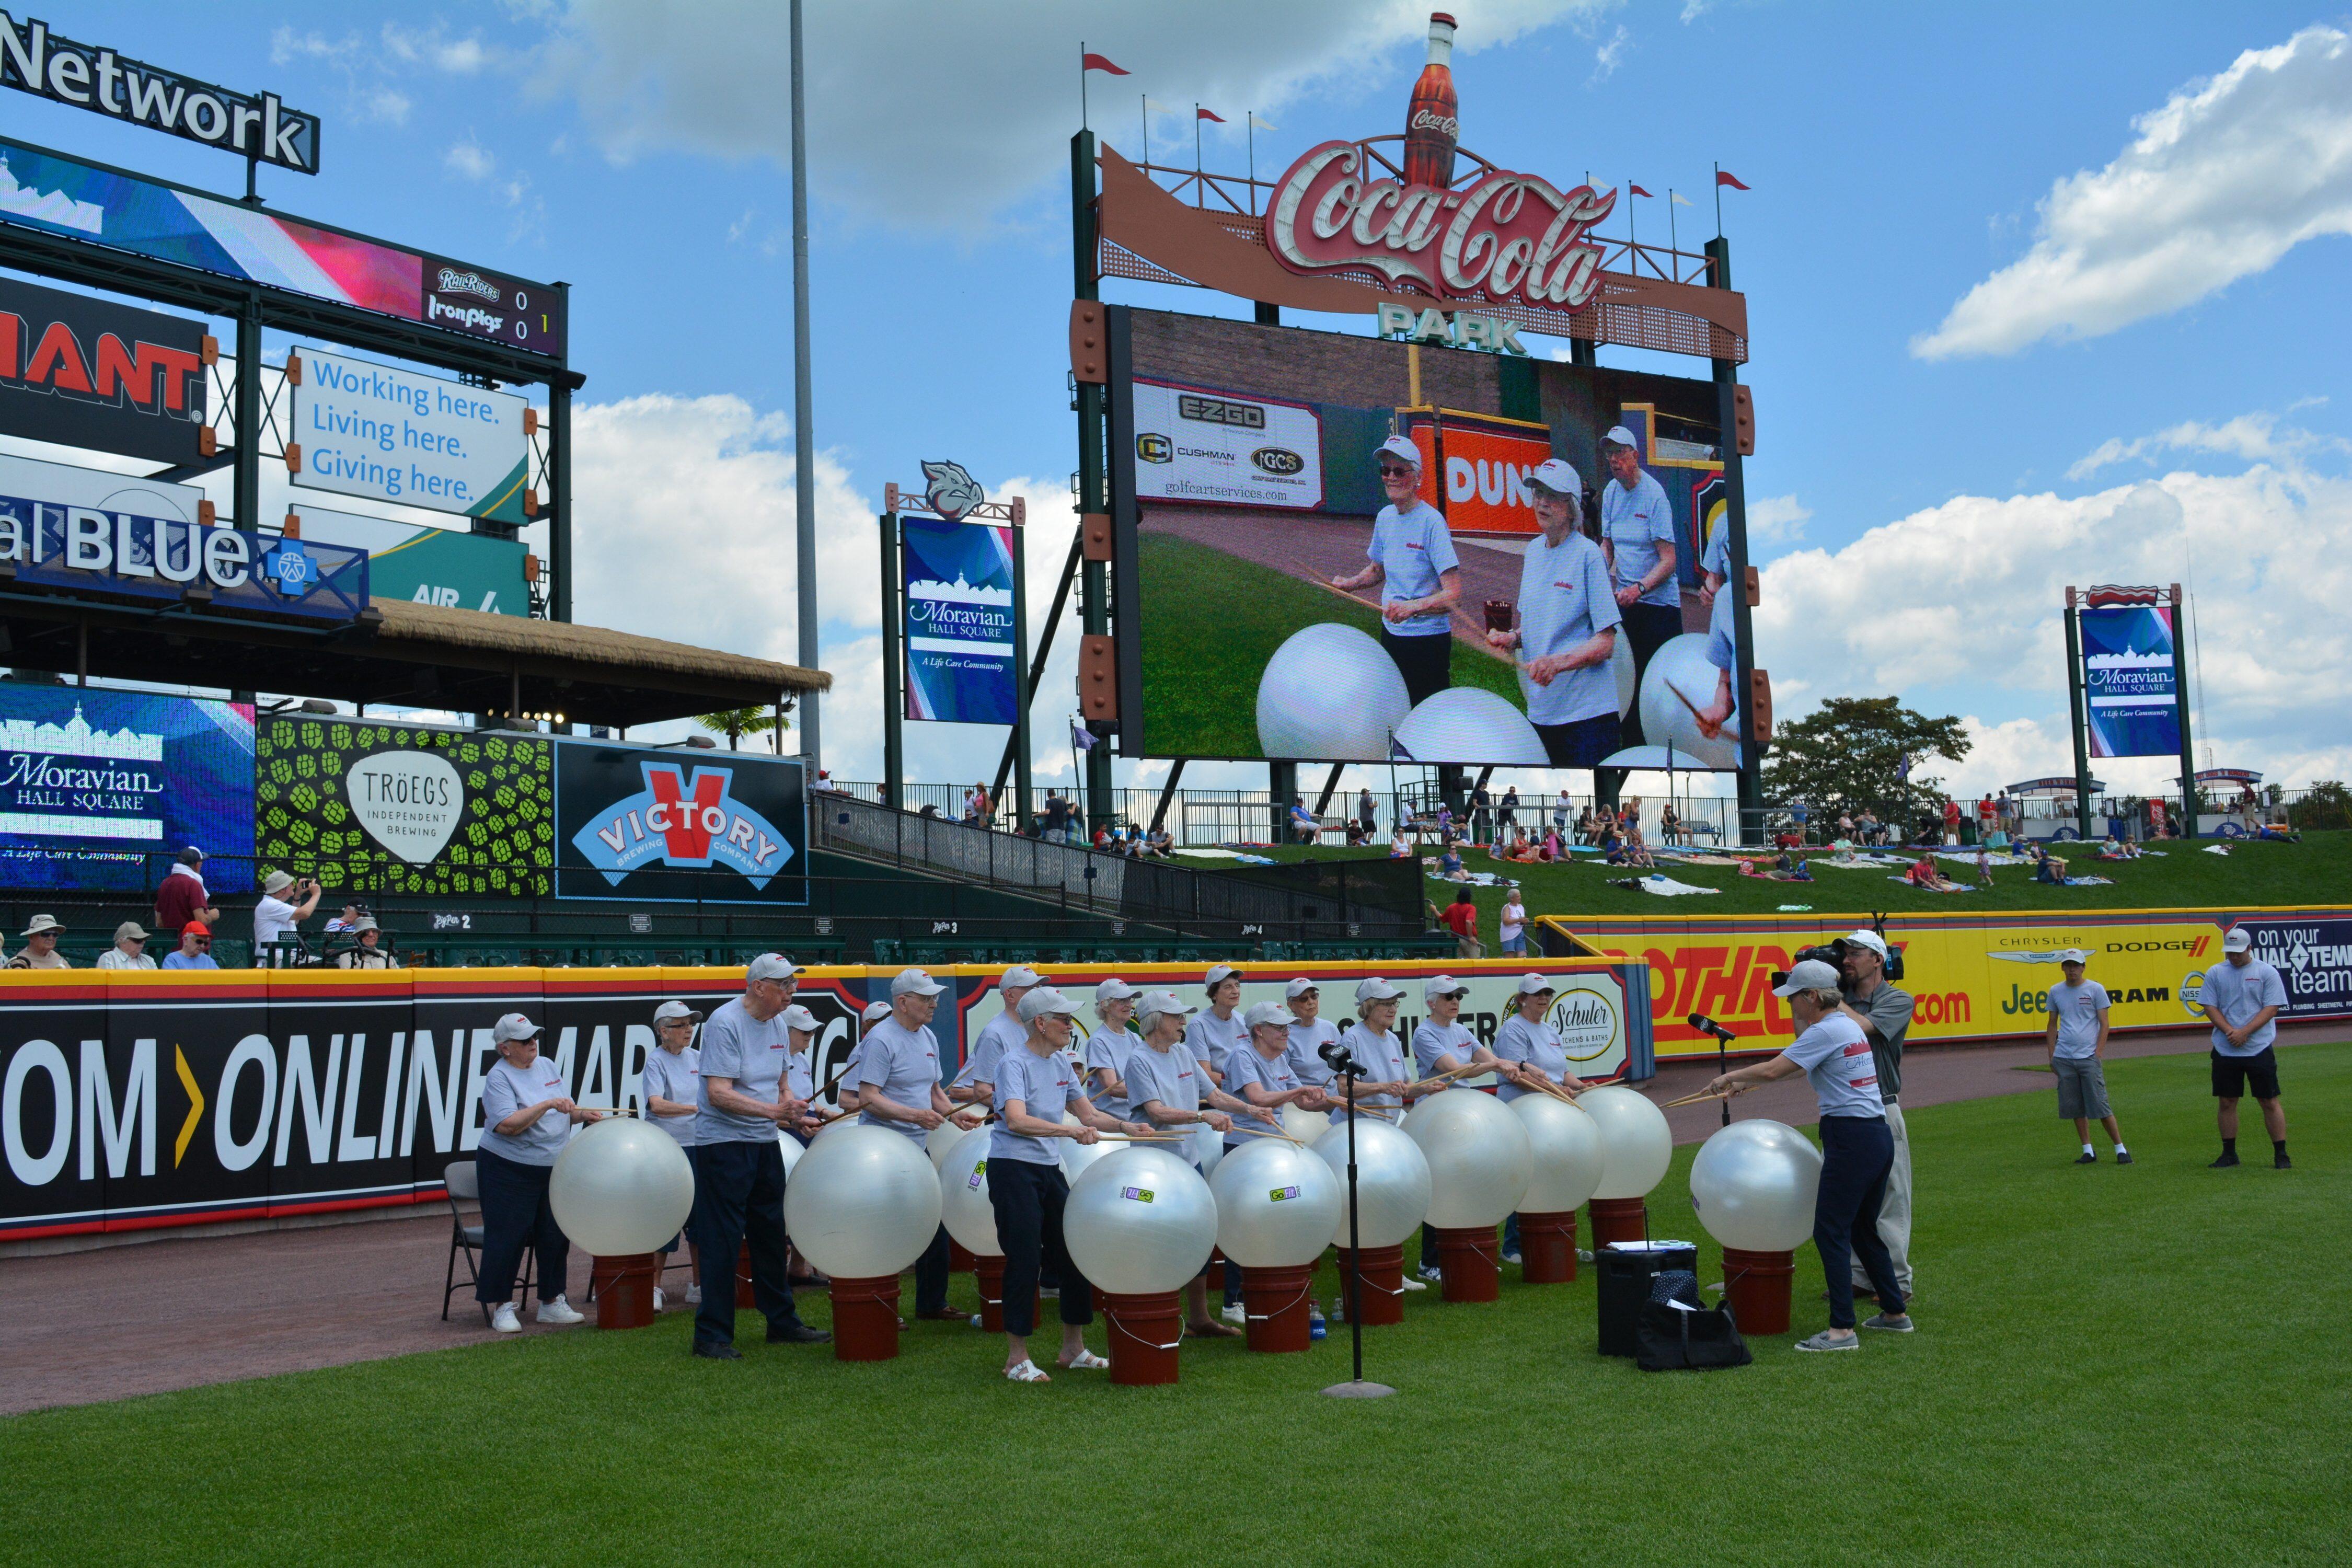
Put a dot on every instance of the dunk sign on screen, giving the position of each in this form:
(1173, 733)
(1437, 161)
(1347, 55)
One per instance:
(363, 429)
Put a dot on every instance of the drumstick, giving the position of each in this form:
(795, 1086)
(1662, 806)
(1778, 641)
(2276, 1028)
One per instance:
(1694, 1099)
(1704, 728)
(1240, 1132)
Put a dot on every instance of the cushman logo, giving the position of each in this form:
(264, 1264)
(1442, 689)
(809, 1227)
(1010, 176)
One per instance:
(687, 823)
(1154, 448)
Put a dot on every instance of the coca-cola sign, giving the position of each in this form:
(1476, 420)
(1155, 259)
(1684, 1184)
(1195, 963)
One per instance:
(1506, 237)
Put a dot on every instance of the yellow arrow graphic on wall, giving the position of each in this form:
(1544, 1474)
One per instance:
(195, 1108)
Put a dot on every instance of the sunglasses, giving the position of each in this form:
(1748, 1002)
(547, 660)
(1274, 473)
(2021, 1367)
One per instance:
(203, 941)
(1391, 471)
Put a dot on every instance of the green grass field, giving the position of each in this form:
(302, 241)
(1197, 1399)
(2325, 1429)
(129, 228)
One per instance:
(1210, 623)
(2316, 871)
(2141, 1364)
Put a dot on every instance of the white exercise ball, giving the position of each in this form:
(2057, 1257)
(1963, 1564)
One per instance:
(1392, 1182)
(1469, 724)
(964, 1206)
(1331, 693)
(1277, 1205)
(1207, 1149)
(1636, 1144)
(1681, 665)
(862, 1204)
(1753, 1184)
(1305, 1125)
(1140, 1222)
(1564, 1146)
(793, 1149)
(839, 1124)
(620, 1187)
(941, 1140)
(1620, 669)
(1477, 1154)
(1078, 1156)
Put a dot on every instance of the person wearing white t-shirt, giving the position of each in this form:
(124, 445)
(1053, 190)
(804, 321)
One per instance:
(667, 1090)
(2077, 1036)
(1857, 1150)
(1411, 560)
(276, 915)
(1569, 622)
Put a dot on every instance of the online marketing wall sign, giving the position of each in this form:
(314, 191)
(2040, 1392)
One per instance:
(362, 429)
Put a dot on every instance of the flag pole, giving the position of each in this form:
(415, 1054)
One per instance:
(1082, 84)
(1145, 98)
(1249, 126)
(1718, 201)
(1674, 242)
(1199, 188)
(1632, 241)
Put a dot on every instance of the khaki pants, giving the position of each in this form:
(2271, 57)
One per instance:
(1894, 1211)
(1469, 947)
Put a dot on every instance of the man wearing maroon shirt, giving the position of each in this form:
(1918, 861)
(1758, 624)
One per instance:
(181, 897)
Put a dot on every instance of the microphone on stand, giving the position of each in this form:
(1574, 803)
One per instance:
(1723, 1037)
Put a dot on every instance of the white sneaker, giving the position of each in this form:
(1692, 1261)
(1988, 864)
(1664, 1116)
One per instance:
(504, 1321)
(1430, 1272)
(694, 1295)
(559, 1312)
(1236, 1316)
(1511, 1257)
(1413, 1284)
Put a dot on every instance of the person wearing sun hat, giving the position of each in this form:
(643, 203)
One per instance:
(1420, 578)
(1857, 1150)
(129, 949)
(40, 950)
(367, 949)
(1004, 1032)
(276, 916)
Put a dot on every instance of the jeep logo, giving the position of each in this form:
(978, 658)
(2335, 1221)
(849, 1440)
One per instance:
(1278, 460)
(1155, 449)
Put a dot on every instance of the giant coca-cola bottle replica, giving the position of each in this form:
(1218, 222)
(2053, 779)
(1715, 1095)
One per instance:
(1434, 122)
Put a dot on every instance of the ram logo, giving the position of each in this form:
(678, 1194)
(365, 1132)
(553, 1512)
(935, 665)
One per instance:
(1278, 460)
(1155, 449)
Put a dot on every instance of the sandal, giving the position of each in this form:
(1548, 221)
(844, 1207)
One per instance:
(1213, 1331)
(1085, 1361)
(1027, 1372)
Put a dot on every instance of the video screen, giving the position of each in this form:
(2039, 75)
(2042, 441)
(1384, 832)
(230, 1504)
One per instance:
(1326, 567)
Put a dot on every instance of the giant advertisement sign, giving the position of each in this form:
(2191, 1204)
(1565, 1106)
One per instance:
(1194, 444)
(444, 566)
(58, 195)
(2314, 958)
(671, 826)
(89, 373)
(362, 429)
(2128, 676)
(101, 789)
(958, 583)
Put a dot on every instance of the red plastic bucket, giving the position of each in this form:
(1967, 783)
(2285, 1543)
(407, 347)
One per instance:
(1757, 1287)
(866, 1319)
(1275, 1301)
(1548, 1248)
(959, 1260)
(624, 1289)
(988, 1272)
(1383, 1284)
(1619, 1219)
(1470, 1261)
(1144, 1334)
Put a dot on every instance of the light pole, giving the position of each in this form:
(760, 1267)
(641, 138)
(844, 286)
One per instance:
(804, 416)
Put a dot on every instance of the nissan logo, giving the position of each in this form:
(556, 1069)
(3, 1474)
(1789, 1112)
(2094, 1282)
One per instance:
(1278, 460)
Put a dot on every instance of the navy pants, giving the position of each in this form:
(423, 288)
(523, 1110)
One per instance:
(515, 1216)
(1579, 743)
(1649, 627)
(931, 1274)
(1028, 1199)
(1426, 662)
(739, 1197)
(1857, 1153)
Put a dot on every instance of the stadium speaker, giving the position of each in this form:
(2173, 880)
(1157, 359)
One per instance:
(1759, 707)
(1097, 535)
(1097, 680)
(1755, 587)
(1743, 421)
(1089, 356)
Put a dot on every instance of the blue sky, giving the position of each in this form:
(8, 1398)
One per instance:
(2143, 389)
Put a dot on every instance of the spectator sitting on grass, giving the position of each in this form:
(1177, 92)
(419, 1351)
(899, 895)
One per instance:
(1587, 829)
(1399, 847)
(2047, 868)
(1449, 865)
(1522, 848)
(1924, 875)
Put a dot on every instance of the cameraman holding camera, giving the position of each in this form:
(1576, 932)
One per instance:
(1884, 1011)
(275, 916)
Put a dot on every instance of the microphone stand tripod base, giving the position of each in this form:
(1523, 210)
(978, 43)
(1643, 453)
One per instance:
(1359, 1390)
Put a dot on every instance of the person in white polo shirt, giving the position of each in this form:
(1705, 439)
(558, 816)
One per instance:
(2076, 1038)
(898, 1082)
(1637, 531)
(1309, 1032)
(669, 1091)
(739, 1189)
(527, 1119)
(1857, 1150)
(975, 1080)
(2242, 999)
(1568, 620)
(1412, 561)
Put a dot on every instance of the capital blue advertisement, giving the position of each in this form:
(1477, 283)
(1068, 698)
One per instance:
(2128, 678)
(101, 789)
(679, 825)
(957, 579)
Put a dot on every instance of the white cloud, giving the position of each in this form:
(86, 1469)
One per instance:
(1966, 596)
(286, 45)
(457, 56)
(1776, 520)
(982, 98)
(2224, 179)
(471, 158)
(386, 106)
(1612, 54)
(2257, 437)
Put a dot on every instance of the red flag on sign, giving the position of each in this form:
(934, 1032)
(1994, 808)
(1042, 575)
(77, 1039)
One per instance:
(1722, 178)
(1101, 63)
(1205, 114)
(1635, 189)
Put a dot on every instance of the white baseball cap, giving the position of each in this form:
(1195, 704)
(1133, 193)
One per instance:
(1557, 476)
(1870, 940)
(771, 966)
(913, 982)
(1622, 437)
(1021, 974)
(1218, 975)
(1115, 990)
(1268, 1012)
(2237, 939)
(799, 1018)
(1534, 984)
(874, 1013)
(1300, 987)
(1044, 999)
(1164, 1002)
(1375, 989)
(669, 1011)
(1443, 985)
(1811, 976)
(514, 1027)
(2073, 955)
(1398, 447)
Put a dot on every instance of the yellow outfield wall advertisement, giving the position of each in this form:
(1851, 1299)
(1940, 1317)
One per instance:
(1972, 980)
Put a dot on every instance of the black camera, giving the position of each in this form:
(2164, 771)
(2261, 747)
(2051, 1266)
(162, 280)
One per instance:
(1833, 954)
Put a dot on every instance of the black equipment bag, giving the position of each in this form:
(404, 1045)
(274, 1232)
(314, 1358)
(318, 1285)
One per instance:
(1673, 1339)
